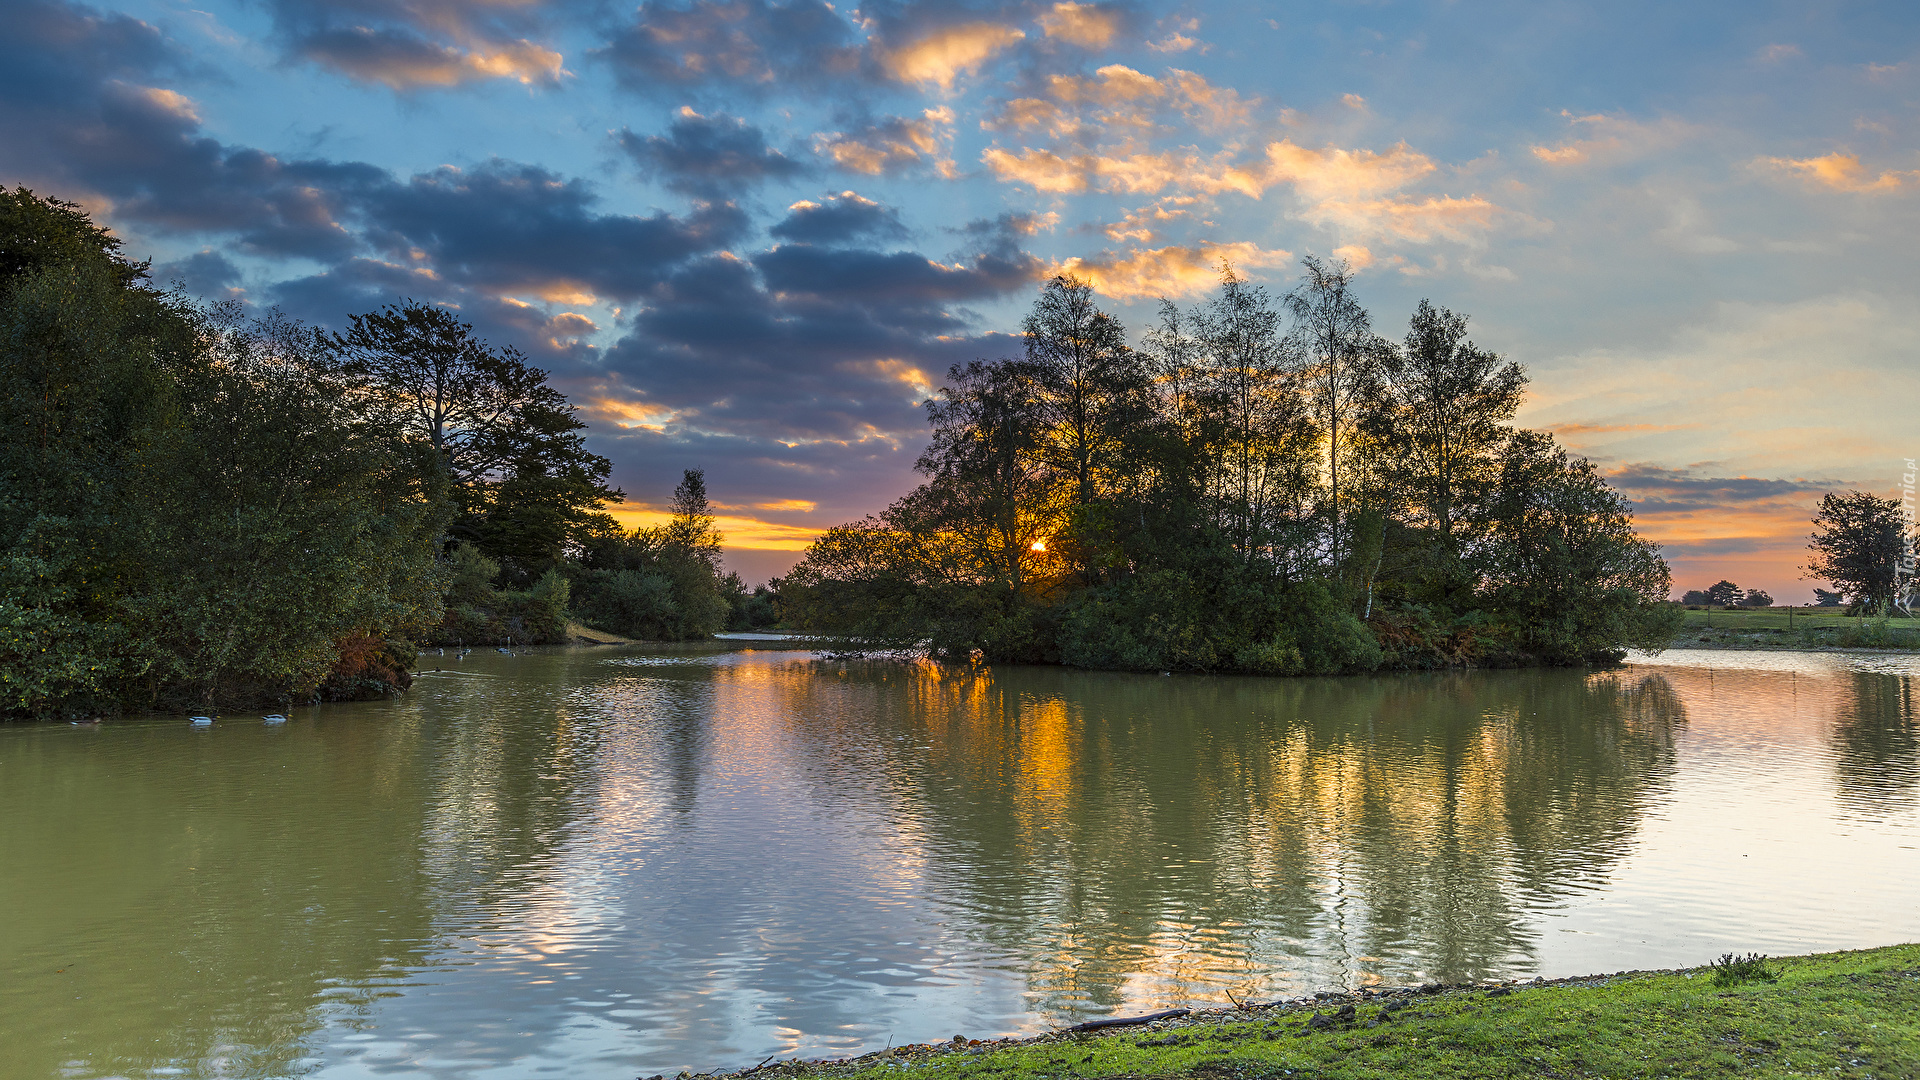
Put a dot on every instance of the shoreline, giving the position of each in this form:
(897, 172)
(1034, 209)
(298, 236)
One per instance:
(1865, 1005)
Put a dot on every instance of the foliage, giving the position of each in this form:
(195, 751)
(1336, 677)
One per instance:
(1826, 598)
(1857, 544)
(193, 508)
(1724, 594)
(1239, 496)
(661, 583)
(1731, 970)
(1696, 598)
(1757, 598)
(526, 484)
(758, 609)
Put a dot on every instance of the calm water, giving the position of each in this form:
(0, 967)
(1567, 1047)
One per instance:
(607, 864)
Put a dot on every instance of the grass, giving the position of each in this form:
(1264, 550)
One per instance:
(1803, 628)
(1851, 1014)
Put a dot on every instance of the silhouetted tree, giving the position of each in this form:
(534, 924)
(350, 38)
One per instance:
(1858, 540)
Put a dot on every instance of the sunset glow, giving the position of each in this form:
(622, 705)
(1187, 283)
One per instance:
(750, 236)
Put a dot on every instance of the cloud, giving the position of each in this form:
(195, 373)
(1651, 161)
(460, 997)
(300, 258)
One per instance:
(1171, 271)
(1842, 171)
(205, 273)
(1117, 96)
(899, 280)
(1140, 173)
(400, 60)
(942, 55)
(1613, 139)
(408, 45)
(838, 219)
(751, 45)
(508, 227)
(1333, 173)
(1774, 53)
(709, 156)
(1090, 26)
(891, 144)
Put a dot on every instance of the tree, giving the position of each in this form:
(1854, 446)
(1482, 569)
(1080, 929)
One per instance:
(1444, 407)
(525, 480)
(990, 491)
(1757, 598)
(1696, 598)
(1564, 569)
(1336, 340)
(1826, 598)
(1093, 389)
(1857, 544)
(1262, 451)
(1724, 594)
(661, 583)
(192, 510)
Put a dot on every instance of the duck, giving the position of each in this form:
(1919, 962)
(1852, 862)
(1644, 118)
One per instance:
(503, 649)
(274, 718)
(200, 721)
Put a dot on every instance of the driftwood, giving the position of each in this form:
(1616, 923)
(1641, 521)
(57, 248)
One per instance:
(1126, 1021)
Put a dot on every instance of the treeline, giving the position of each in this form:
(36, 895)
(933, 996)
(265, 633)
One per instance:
(198, 508)
(1264, 485)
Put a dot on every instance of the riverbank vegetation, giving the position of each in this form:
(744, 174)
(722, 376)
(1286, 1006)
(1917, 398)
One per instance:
(1264, 485)
(1835, 1014)
(201, 508)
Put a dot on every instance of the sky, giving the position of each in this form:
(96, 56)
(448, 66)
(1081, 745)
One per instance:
(750, 236)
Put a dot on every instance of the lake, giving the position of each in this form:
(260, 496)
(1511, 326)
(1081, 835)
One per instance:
(616, 863)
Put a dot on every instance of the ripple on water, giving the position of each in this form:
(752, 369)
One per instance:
(652, 860)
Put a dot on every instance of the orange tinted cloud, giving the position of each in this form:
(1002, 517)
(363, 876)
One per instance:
(1334, 173)
(1419, 221)
(1166, 272)
(1044, 170)
(364, 55)
(1086, 25)
(892, 144)
(1611, 138)
(1842, 172)
(947, 53)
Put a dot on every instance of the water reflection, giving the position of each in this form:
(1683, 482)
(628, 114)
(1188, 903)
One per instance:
(1877, 743)
(612, 864)
(1134, 839)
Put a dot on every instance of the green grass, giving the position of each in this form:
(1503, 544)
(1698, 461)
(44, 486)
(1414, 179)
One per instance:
(1800, 628)
(1852, 1014)
(1770, 618)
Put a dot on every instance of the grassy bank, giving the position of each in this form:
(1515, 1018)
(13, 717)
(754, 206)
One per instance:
(1794, 628)
(1848, 1014)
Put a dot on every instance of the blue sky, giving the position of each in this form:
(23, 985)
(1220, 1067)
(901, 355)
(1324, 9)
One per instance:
(749, 235)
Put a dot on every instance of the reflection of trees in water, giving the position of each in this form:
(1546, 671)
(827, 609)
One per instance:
(212, 897)
(1126, 835)
(1877, 745)
(525, 763)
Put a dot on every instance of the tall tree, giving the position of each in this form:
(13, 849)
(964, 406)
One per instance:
(1445, 404)
(1252, 393)
(1338, 347)
(988, 485)
(1564, 570)
(511, 443)
(1090, 381)
(1858, 541)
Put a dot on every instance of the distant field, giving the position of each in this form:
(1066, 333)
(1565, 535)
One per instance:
(1774, 618)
